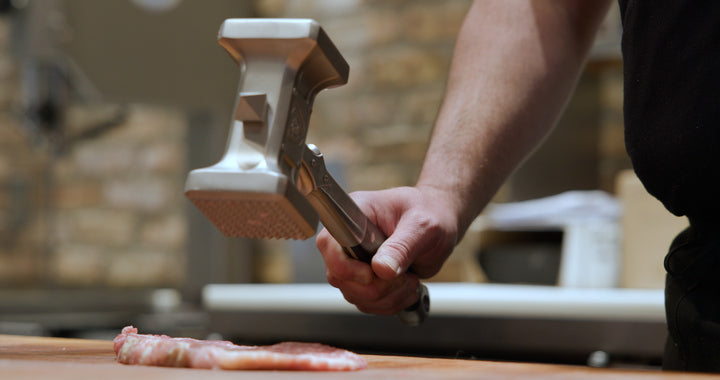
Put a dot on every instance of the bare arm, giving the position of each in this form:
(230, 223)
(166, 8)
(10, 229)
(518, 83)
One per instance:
(515, 64)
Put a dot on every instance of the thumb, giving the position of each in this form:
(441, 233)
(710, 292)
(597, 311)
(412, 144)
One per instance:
(400, 250)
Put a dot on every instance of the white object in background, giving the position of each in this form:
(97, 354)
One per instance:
(555, 210)
(590, 221)
(452, 299)
(590, 255)
(157, 5)
(165, 300)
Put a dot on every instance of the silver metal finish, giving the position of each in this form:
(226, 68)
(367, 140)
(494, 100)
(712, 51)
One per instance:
(269, 184)
(338, 212)
(342, 217)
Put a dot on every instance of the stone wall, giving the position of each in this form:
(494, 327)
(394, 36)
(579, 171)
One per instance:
(22, 229)
(118, 207)
(377, 126)
(109, 211)
(105, 211)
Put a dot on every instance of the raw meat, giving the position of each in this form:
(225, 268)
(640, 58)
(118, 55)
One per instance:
(162, 350)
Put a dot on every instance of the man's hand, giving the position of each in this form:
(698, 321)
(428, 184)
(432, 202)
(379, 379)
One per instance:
(514, 68)
(422, 230)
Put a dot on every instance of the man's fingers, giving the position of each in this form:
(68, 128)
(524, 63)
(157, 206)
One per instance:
(413, 236)
(339, 264)
(381, 297)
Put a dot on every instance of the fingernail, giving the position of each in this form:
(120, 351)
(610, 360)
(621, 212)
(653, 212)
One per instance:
(390, 263)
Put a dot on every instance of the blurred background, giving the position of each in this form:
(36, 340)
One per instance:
(105, 107)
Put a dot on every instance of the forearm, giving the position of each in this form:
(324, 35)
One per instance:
(515, 65)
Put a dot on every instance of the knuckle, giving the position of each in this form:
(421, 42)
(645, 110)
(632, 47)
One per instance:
(332, 280)
(388, 304)
(423, 220)
(343, 272)
(374, 294)
(429, 225)
(337, 275)
(323, 241)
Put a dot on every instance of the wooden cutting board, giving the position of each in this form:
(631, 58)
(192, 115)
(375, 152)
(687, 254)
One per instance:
(56, 358)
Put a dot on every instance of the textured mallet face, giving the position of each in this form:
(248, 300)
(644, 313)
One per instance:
(252, 215)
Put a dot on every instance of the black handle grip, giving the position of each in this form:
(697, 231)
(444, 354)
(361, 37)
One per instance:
(417, 312)
(359, 237)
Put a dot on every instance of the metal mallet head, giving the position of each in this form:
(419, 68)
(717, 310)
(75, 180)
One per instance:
(269, 183)
(251, 192)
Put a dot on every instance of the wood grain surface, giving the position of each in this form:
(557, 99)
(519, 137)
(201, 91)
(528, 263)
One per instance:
(57, 358)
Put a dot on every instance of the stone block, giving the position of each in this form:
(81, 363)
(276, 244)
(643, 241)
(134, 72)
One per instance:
(5, 33)
(396, 144)
(348, 33)
(143, 194)
(77, 194)
(8, 69)
(5, 167)
(64, 170)
(146, 123)
(79, 265)
(340, 149)
(8, 34)
(145, 268)
(19, 267)
(270, 8)
(420, 107)
(34, 229)
(11, 133)
(374, 109)
(405, 67)
(8, 83)
(406, 153)
(387, 3)
(107, 227)
(102, 159)
(377, 177)
(164, 157)
(317, 9)
(434, 22)
(169, 232)
(345, 116)
(383, 26)
(295, 8)
(337, 7)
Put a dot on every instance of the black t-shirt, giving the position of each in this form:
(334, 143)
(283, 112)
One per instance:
(671, 55)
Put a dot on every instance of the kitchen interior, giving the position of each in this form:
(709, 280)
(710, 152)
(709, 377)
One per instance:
(106, 106)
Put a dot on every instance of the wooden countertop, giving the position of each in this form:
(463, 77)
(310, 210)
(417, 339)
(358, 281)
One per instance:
(57, 358)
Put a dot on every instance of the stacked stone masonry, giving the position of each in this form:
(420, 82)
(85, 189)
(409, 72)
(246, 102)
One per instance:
(109, 211)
